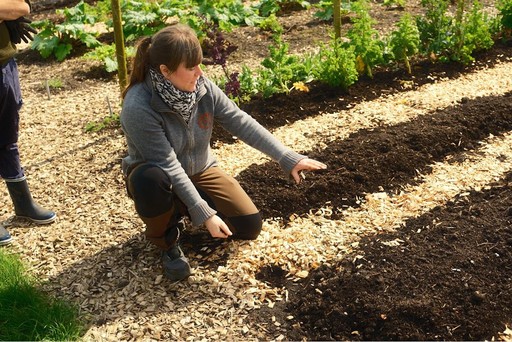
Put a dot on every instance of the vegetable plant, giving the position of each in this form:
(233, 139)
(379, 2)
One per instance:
(325, 9)
(271, 24)
(248, 84)
(335, 64)
(218, 49)
(448, 38)
(268, 7)
(106, 54)
(281, 69)
(60, 39)
(144, 18)
(435, 28)
(404, 41)
(228, 13)
(473, 32)
(505, 12)
(368, 47)
(394, 3)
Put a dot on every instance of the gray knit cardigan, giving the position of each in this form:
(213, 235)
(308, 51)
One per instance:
(156, 135)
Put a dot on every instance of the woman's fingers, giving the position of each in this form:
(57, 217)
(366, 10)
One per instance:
(217, 227)
(312, 164)
(225, 230)
(306, 164)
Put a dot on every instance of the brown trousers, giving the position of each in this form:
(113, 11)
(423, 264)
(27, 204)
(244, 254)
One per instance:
(161, 209)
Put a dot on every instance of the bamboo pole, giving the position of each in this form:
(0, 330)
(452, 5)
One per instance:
(337, 18)
(119, 41)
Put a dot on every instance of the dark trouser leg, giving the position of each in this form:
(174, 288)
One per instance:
(224, 194)
(10, 105)
(10, 165)
(155, 203)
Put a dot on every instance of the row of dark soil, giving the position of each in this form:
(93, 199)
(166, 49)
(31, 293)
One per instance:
(449, 279)
(384, 158)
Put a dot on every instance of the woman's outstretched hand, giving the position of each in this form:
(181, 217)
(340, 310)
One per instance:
(217, 227)
(306, 164)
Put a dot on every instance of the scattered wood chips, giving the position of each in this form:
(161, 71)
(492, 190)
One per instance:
(95, 254)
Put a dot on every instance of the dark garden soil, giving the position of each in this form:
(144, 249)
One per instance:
(450, 277)
(386, 157)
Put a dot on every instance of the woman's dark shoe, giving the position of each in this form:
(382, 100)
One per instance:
(176, 266)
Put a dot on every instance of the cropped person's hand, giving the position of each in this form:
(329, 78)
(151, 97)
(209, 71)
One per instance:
(20, 29)
(217, 227)
(306, 164)
(26, 30)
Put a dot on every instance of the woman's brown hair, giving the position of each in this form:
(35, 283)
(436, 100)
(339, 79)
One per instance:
(170, 46)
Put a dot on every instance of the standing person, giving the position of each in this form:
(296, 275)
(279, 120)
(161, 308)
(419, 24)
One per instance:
(168, 112)
(14, 28)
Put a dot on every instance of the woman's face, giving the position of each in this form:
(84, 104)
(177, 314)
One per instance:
(185, 79)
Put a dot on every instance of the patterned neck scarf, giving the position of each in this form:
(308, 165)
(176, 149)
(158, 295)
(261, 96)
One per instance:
(178, 100)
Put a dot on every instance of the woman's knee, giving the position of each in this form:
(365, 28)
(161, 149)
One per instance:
(150, 188)
(147, 179)
(247, 227)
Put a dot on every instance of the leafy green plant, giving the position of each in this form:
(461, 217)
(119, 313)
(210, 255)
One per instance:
(505, 13)
(248, 83)
(27, 313)
(335, 64)
(454, 38)
(435, 28)
(394, 3)
(80, 13)
(325, 9)
(106, 54)
(228, 13)
(405, 40)
(281, 69)
(368, 47)
(271, 24)
(144, 18)
(473, 32)
(269, 7)
(60, 39)
(54, 83)
(111, 120)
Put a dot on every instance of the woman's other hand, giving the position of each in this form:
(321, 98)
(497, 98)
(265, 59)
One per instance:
(217, 227)
(306, 164)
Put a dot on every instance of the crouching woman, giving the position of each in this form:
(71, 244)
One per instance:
(168, 112)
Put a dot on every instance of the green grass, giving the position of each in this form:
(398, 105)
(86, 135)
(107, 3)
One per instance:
(27, 313)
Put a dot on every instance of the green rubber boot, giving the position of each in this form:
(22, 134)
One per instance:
(24, 205)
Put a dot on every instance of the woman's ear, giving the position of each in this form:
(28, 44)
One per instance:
(164, 70)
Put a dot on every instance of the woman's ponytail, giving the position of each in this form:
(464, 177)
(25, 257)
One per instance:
(140, 64)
